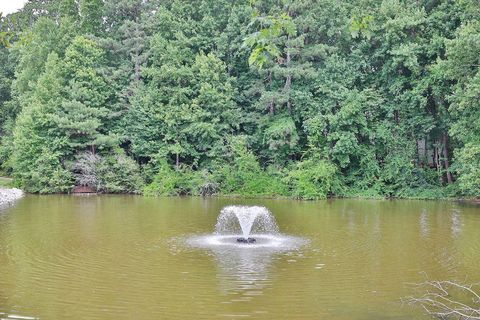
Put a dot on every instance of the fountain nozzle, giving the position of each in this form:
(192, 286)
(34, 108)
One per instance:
(246, 240)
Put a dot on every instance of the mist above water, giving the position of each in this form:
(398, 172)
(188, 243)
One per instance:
(245, 220)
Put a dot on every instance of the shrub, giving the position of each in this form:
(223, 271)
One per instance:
(85, 169)
(175, 182)
(244, 176)
(46, 176)
(115, 173)
(312, 179)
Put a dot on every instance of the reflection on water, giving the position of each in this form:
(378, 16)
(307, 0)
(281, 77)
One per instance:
(424, 227)
(243, 270)
(125, 257)
(456, 223)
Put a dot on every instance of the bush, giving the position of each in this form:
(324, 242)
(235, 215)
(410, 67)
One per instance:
(241, 176)
(356, 192)
(46, 176)
(115, 173)
(312, 179)
(434, 192)
(85, 170)
(182, 181)
(244, 176)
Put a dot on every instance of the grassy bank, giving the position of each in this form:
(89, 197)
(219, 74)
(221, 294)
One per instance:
(6, 182)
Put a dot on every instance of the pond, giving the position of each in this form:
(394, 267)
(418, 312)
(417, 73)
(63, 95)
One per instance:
(128, 257)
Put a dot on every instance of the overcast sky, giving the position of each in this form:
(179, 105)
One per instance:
(9, 6)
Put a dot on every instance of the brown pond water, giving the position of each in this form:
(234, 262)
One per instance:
(127, 257)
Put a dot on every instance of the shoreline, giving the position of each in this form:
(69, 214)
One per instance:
(472, 201)
(8, 196)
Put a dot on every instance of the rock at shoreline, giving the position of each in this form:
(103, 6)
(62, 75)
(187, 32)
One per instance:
(9, 196)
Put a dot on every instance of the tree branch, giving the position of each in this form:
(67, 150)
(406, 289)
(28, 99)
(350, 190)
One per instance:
(447, 300)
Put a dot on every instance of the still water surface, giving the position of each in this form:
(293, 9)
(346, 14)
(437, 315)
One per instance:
(127, 257)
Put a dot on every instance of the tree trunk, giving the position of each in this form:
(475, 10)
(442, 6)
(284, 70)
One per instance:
(438, 163)
(271, 107)
(288, 81)
(419, 160)
(425, 156)
(177, 160)
(447, 164)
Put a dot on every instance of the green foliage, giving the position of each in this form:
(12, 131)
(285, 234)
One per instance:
(63, 117)
(5, 34)
(242, 174)
(264, 43)
(91, 15)
(361, 26)
(112, 173)
(468, 167)
(48, 175)
(463, 66)
(38, 151)
(119, 174)
(187, 109)
(83, 112)
(281, 137)
(175, 182)
(5, 182)
(304, 98)
(313, 179)
(35, 45)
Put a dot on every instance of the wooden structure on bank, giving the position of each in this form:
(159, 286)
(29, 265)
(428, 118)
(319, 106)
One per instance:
(83, 190)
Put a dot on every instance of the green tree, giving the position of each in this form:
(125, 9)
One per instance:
(83, 113)
(462, 67)
(91, 13)
(39, 150)
(186, 108)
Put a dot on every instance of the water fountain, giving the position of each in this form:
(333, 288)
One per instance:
(232, 216)
(251, 227)
(245, 241)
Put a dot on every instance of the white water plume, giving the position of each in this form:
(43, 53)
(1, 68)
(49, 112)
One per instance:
(247, 220)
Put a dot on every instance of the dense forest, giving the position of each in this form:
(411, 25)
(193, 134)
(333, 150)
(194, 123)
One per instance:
(299, 98)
